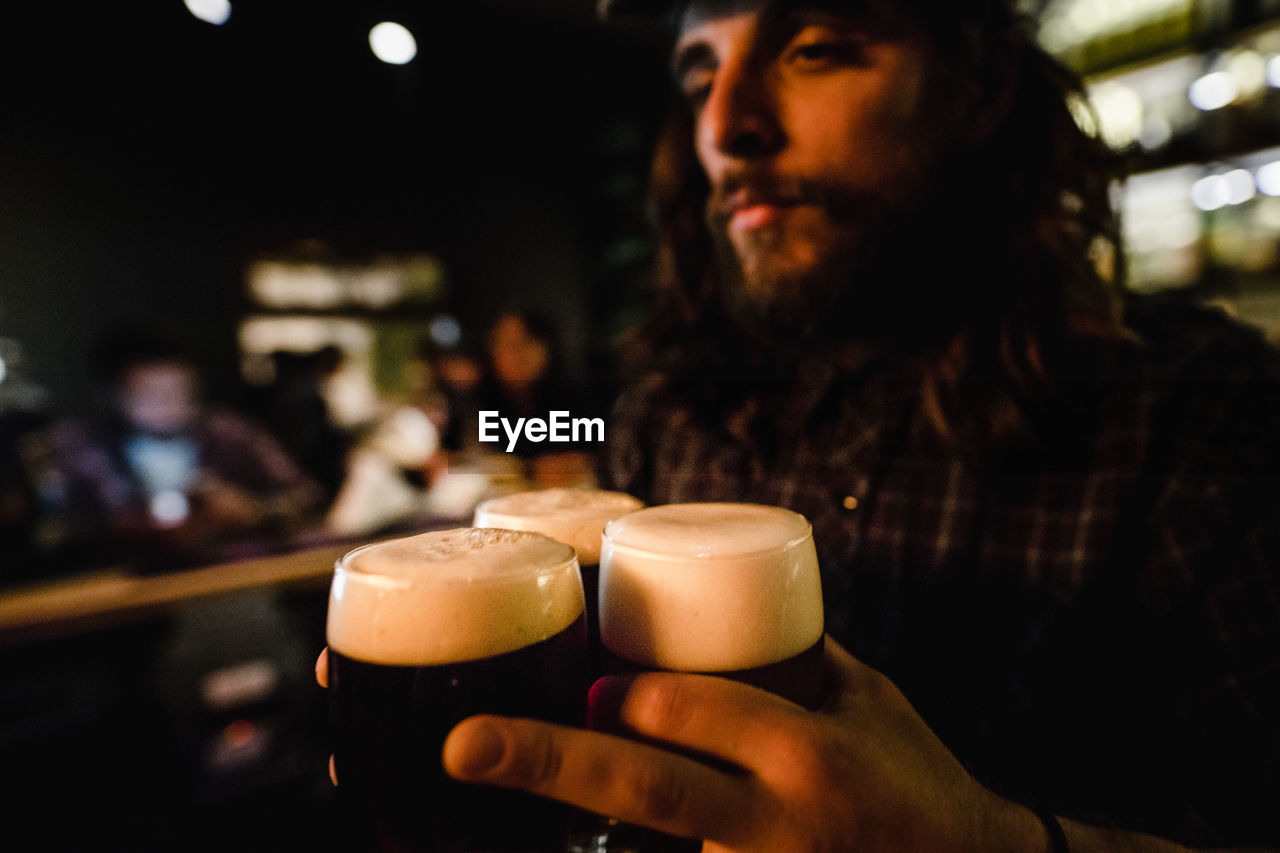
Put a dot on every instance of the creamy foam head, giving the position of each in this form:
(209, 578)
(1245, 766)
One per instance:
(573, 516)
(709, 587)
(452, 595)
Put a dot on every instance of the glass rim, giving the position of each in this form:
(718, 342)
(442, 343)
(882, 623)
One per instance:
(518, 568)
(799, 539)
(556, 513)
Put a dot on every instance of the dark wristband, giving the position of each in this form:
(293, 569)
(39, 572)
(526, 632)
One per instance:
(1057, 838)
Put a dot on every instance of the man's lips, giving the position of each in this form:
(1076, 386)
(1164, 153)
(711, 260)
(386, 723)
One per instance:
(755, 216)
(748, 210)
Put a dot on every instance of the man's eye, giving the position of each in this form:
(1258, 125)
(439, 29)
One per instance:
(819, 54)
(696, 87)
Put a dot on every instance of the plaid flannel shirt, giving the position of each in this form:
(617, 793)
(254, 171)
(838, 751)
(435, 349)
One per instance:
(1095, 625)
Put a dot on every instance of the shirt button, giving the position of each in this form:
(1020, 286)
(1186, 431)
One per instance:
(850, 502)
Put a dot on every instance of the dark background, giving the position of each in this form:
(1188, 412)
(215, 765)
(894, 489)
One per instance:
(147, 157)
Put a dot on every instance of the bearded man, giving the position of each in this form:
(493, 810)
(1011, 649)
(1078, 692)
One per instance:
(1047, 513)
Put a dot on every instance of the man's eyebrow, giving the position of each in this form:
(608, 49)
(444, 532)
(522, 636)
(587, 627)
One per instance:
(689, 56)
(855, 9)
(850, 16)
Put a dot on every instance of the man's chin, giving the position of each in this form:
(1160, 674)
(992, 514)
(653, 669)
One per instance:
(786, 294)
(779, 306)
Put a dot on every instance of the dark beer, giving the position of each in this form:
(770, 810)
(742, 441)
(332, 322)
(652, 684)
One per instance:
(574, 516)
(798, 678)
(722, 589)
(427, 631)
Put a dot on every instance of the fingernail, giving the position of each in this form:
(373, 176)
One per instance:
(595, 702)
(604, 701)
(473, 749)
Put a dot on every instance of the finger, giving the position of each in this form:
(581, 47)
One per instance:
(607, 774)
(333, 772)
(731, 721)
(322, 667)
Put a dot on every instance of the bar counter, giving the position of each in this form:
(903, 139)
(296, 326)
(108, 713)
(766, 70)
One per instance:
(114, 596)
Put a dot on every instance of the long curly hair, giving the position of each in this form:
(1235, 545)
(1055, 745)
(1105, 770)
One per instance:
(1028, 278)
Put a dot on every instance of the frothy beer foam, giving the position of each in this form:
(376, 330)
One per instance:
(573, 516)
(452, 595)
(709, 587)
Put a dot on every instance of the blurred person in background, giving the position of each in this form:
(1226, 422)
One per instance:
(161, 479)
(298, 414)
(389, 474)
(422, 460)
(460, 374)
(526, 378)
(425, 386)
(1048, 511)
(402, 471)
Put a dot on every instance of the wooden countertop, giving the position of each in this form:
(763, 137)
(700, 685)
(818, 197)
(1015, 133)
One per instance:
(103, 598)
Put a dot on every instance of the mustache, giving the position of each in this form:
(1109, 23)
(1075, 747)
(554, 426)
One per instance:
(771, 188)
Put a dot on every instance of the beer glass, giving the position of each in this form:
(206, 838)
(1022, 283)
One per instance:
(720, 588)
(574, 516)
(425, 631)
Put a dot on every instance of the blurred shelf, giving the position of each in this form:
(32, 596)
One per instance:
(1189, 92)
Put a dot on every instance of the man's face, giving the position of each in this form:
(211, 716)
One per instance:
(159, 398)
(810, 128)
(518, 356)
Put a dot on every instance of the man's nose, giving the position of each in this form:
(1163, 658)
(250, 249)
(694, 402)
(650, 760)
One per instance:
(740, 117)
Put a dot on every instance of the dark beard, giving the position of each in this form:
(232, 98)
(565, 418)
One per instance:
(869, 280)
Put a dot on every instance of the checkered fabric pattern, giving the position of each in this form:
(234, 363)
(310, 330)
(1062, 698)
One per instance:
(1092, 623)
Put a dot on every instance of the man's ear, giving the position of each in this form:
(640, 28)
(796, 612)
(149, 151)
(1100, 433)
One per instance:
(998, 67)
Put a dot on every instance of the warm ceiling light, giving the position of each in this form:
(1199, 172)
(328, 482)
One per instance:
(215, 12)
(392, 43)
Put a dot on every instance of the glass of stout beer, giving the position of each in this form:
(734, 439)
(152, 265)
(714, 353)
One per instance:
(720, 588)
(425, 631)
(574, 516)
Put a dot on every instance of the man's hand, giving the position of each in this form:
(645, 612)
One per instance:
(749, 771)
(322, 678)
(709, 758)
